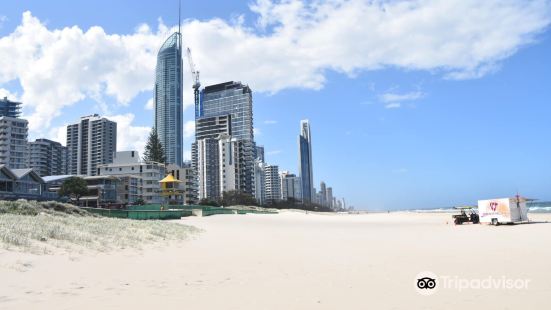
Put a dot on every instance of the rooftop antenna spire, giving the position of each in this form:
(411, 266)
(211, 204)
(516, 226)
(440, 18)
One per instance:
(179, 14)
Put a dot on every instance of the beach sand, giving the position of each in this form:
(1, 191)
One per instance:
(294, 260)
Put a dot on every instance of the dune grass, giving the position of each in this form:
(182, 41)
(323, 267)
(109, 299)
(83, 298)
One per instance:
(40, 227)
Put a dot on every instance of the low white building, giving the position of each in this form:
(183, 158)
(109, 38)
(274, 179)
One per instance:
(129, 163)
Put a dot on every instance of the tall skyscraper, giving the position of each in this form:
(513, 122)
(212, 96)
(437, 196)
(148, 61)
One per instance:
(90, 142)
(168, 98)
(47, 157)
(323, 192)
(259, 182)
(226, 108)
(329, 197)
(13, 142)
(10, 108)
(305, 161)
(259, 153)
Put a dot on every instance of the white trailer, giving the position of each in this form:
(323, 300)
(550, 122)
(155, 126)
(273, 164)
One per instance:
(503, 210)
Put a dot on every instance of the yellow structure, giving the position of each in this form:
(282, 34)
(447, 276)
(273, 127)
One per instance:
(170, 190)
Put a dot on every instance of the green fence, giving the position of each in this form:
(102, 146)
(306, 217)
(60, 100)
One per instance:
(153, 211)
(141, 214)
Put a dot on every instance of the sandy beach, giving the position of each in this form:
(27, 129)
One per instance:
(294, 260)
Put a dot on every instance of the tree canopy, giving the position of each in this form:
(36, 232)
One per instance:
(154, 150)
(74, 187)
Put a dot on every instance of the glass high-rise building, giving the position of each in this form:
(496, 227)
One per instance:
(305, 161)
(10, 108)
(228, 108)
(168, 98)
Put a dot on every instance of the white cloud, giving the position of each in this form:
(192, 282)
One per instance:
(6, 93)
(274, 152)
(270, 122)
(400, 171)
(393, 105)
(149, 105)
(129, 137)
(187, 155)
(58, 134)
(57, 68)
(394, 99)
(295, 43)
(189, 129)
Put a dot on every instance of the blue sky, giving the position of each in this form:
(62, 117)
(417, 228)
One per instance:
(408, 109)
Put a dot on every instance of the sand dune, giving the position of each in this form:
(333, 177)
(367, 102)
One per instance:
(293, 261)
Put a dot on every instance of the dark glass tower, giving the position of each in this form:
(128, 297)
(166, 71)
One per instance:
(228, 108)
(10, 108)
(168, 98)
(305, 161)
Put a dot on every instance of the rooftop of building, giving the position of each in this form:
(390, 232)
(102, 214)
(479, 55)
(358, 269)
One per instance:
(226, 86)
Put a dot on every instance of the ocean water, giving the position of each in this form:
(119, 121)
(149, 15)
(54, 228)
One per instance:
(539, 206)
(533, 207)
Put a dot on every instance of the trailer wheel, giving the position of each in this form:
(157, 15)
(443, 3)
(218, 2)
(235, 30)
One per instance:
(495, 222)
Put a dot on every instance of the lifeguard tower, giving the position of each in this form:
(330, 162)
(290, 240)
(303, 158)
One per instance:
(170, 190)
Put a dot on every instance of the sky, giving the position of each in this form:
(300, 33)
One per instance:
(412, 104)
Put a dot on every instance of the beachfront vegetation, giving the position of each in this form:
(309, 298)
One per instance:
(232, 198)
(295, 204)
(41, 227)
(73, 187)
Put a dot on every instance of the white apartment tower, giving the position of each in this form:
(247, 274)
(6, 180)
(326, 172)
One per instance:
(90, 142)
(47, 157)
(272, 183)
(13, 142)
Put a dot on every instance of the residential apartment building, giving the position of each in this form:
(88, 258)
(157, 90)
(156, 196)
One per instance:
(128, 163)
(260, 182)
(272, 183)
(226, 108)
(13, 142)
(47, 157)
(291, 186)
(10, 108)
(90, 142)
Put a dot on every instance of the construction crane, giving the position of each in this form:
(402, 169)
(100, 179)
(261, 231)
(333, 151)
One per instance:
(196, 83)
